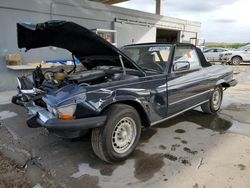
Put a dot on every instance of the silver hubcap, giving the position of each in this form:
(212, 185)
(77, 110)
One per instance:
(216, 99)
(236, 61)
(123, 135)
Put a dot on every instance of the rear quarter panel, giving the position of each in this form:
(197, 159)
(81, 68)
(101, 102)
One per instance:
(218, 74)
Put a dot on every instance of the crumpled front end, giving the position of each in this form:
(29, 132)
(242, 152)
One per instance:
(66, 111)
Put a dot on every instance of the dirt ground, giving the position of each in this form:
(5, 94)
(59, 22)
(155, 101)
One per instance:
(11, 175)
(192, 150)
(14, 175)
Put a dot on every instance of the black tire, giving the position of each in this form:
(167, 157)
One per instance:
(210, 107)
(237, 60)
(102, 139)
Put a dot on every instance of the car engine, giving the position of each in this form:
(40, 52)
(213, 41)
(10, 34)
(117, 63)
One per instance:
(32, 88)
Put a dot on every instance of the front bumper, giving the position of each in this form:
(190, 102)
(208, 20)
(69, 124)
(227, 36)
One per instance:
(42, 118)
(70, 125)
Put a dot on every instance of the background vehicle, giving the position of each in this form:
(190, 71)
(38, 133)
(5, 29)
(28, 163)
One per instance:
(237, 56)
(203, 48)
(213, 54)
(119, 91)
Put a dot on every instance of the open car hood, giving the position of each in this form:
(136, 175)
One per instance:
(88, 47)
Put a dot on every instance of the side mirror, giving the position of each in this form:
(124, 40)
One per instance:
(181, 66)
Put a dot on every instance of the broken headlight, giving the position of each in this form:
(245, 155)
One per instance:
(67, 112)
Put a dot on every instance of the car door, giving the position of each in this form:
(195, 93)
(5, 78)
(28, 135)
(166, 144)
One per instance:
(186, 89)
(247, 55)
(209, 54)
(213, 55)
(218, 54)
(152, 89)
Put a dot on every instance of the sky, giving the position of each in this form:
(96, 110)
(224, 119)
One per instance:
(222, 20)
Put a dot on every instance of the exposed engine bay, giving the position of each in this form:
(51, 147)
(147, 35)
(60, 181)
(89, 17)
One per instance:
(39, 83)
(55, 80)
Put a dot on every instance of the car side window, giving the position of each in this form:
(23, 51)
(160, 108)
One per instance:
(187, 54)
(210, 50)
(221, 50)
(207, 51)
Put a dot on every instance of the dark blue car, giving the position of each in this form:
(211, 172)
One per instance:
(118, 91)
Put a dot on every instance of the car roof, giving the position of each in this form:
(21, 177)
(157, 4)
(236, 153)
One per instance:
(156, 43)
(216, 48)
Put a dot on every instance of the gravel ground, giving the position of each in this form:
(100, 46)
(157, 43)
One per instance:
(11, 175)
(29, 175)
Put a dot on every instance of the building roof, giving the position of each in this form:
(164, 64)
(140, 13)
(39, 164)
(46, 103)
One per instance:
(110, 2)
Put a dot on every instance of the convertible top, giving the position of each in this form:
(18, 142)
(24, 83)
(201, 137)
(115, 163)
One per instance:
(204, 62)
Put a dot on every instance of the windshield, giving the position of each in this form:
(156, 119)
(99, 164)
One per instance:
(150, 57)
(244, 48)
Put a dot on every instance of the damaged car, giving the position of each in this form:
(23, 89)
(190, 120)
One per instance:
(119, 91)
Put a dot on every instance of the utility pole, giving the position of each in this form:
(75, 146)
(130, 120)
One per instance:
(159, 7)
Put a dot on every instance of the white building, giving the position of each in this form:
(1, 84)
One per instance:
(131, 26)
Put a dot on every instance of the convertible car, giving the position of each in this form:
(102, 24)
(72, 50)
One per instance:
(118, 91)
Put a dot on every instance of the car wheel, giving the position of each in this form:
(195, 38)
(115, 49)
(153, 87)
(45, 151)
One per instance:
(118, 138)
(214, 103)
(236, 60)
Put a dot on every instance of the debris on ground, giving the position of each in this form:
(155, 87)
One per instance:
(200, 163)
(188, 150)
(11, 175)
(170, 157)
(31, 175)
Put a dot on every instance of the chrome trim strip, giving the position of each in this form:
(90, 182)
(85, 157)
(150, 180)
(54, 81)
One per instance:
(28, 91)
(189, 97)
(162, 120)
